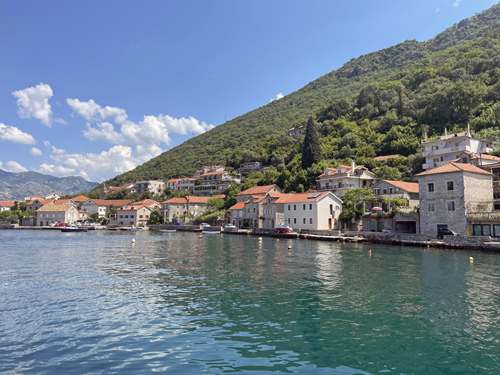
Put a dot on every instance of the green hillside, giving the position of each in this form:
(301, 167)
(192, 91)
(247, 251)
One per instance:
(379, 103)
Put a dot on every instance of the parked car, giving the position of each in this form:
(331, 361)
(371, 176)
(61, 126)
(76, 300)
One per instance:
(229, 226)
(61, 225)
(178, 224)
(445, 232)
(283, 229)
(54, 224)
(204, 225)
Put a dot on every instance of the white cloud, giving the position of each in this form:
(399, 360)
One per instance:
(1, 164)
(437, 10)
(15, 167)
(56, 150)
(35, 151)
(34, 102)
(46, 143)
(457, 2)
(98, 167)
(13, 134)
(92, 111)
(278, 97)
(104, 132)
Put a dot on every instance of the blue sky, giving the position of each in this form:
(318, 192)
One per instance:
(95, 88)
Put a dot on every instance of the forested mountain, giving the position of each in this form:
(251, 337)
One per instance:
(16, 186)
(377, 104)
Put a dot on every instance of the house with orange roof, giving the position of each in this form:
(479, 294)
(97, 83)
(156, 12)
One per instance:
(105, 191)
(156, 187)
(6, 206)
(387, 189)
(36, 204)
(101, 206)
(478, 160)
(173, 184)
(258, 190)
(80, 198)
(212, 183)
(440, 150)
(451, 194)
(133, 215)
(33, 197)
(56, 213)
(183, 209)
(311, 210)
(53, 195)
(344, 178)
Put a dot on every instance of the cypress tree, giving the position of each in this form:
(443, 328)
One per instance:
(311, 152)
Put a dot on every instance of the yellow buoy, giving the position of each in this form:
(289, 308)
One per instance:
(471, 259)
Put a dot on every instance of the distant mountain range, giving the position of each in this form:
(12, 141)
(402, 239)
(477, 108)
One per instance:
(16, 186)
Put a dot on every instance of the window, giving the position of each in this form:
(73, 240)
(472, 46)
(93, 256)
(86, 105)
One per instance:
(295, 220)
(131, 216)
(294, 207)
(288, 207)
(288, 220)
(450, 185)
(126, 216)
(310, 206)
(121, 216)
(390, 190)
(482, 230)
(430, 187)
(384, 191)
(254, 210)
(304, 207)
(304, 220)
(310, 220)
(432, 206)
(331, 209)
(451, 205)
(140, 216)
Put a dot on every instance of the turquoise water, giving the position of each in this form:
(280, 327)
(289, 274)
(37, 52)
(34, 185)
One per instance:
(95, 303)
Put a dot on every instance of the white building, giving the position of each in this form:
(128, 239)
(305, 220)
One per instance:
(101, 206)
(133, 215)
(449, 147)
(343, 178)
(6, 206)
(156, 187)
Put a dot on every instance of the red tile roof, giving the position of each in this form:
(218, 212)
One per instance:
(300, 197)
(384, 158)
(114, 202)
(410, 187)
(212, 173)
(80, 198)
(42, 201)
(239, 206)
(453, 167)
(192, 199)
(7, 204)
(55, 207)
(133, 208)
(258, 190)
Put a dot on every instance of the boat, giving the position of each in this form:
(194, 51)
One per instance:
(167, 230)
(73, 229)
(210, 232)
(140, 229)
(283, 229)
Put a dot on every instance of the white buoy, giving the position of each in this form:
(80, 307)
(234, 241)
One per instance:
(260, 238)
(133, 240)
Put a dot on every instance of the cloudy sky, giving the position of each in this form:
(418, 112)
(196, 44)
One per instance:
(95, 88)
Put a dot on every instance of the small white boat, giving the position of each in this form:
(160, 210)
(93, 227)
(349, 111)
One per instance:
(167, 230)
(140, 229)
(210, 232)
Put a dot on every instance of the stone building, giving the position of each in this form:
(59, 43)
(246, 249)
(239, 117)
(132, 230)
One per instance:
(387, 189)
(343, 178)
(57, 213)
(182, 208)
(446, 194)
(133, 215)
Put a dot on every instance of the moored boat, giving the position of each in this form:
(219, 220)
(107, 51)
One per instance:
(73, 229)
(211, 232)
(167, 230)
(283, 229)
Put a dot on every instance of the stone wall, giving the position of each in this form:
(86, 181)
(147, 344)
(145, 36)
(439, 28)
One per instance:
(466, 241)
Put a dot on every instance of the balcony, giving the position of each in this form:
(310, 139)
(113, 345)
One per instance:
(446, 150)
(483, 215)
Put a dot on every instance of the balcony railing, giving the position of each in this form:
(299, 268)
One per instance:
(483, 215)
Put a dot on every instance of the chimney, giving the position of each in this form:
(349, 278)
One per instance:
(352, 166)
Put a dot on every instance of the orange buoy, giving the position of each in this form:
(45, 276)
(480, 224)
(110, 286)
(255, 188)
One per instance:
(370, 252)
(278, 239)
(289, 247)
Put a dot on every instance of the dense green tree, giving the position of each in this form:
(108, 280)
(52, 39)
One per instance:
(215, 203)
(155, 217)
(311, 152)
(385, 172)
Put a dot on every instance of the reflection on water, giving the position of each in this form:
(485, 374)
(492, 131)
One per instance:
(97, 303)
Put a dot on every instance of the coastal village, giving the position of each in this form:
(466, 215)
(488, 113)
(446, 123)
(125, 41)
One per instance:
(455, 194)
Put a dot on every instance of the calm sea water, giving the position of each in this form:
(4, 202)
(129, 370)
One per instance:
(94, 303)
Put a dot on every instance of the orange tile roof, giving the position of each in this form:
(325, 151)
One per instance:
(133, 208)
(63, 201)
(80, 198)
(7, 204)
(221, 196)
(453, 167)
(176, 200)
(410, 187)
(300, 197)
(114, 202)
(212, 173)
(174, 180)
(55, 207)
(257, 190)
(384, 158)
(42, 201)
(238, 206)
(144, 202)
(193, 199)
